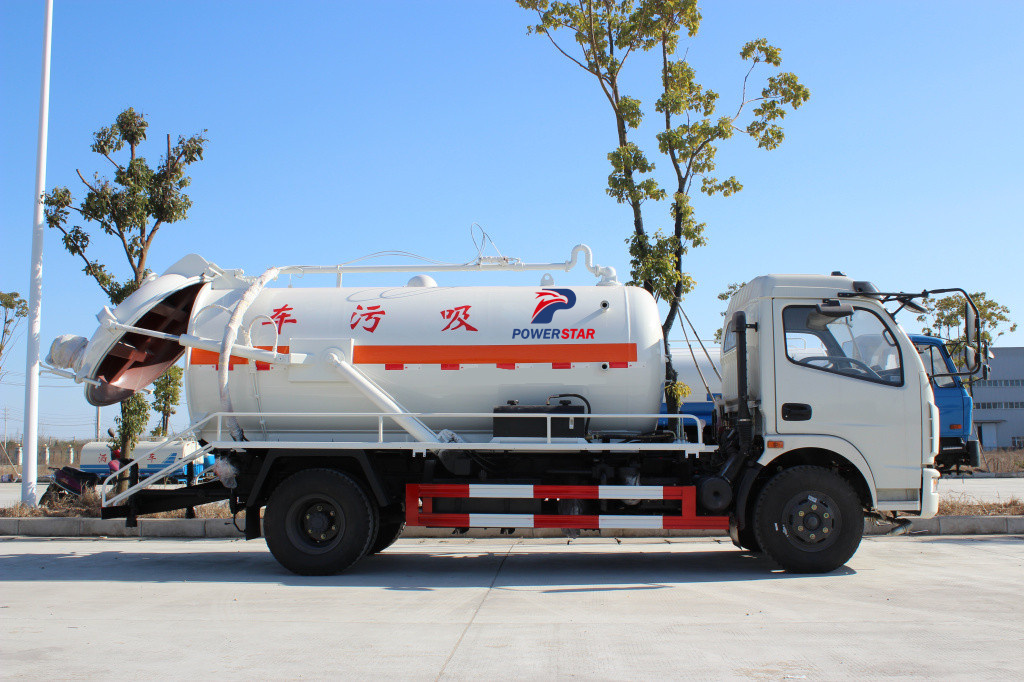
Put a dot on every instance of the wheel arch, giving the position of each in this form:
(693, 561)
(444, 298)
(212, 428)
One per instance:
(280, 465)
(833, 453)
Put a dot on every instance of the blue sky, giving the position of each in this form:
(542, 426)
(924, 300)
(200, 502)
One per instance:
(340, 129)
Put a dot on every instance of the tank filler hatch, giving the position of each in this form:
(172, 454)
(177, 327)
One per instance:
(133, 360)
(124, 362)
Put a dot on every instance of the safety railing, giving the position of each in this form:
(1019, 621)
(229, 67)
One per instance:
(217, 439)
(383, 417)
(110, 480)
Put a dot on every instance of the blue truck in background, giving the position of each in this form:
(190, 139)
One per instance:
(957, 446)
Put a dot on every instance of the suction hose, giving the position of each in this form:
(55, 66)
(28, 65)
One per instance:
(230, 332)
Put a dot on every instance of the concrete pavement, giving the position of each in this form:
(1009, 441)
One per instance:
(509, 609)
(982, 489)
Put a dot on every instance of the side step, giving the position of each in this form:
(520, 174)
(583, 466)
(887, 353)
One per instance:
(153, 500)
(419, 502)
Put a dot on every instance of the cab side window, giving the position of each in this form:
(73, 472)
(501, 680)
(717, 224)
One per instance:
(935, 363)
(859, 346)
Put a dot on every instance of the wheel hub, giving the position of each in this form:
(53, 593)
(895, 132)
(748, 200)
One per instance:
(320, 521)
(811, 519)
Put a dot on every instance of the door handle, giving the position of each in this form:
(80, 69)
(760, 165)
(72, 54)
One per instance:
(796, 412)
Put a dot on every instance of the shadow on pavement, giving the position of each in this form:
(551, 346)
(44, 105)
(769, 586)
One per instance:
(967, 539)
(403, 570)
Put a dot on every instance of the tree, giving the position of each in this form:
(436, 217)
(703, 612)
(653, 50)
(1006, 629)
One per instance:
(132, 422)
(606, 33)
(725, 296)
(945, 318)
(166, 394)
(131, 209)
(15, 309)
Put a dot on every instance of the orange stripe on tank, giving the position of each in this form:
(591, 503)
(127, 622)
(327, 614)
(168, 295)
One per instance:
(505, 355)
(499, 355)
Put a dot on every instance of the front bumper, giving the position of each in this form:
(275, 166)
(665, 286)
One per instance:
(929, 492)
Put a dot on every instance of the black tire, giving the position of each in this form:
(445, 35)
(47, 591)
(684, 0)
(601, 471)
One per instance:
(319, 522)
(808, 520)
(745, 538)
(387, 533)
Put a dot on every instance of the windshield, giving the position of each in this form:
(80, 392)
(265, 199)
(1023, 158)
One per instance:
(936, 361)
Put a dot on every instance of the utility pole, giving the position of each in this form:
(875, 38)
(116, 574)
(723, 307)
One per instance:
(35, 291)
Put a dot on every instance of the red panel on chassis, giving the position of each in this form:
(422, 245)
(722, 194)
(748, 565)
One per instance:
(415, 492)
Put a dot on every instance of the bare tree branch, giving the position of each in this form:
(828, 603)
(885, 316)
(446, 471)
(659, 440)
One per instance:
(84, 182)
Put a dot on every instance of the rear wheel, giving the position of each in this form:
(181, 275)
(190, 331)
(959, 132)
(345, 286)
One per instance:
(808, 520)
(319, 522)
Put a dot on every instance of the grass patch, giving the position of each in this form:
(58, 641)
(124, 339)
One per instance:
(965, 505)
(1002, 461)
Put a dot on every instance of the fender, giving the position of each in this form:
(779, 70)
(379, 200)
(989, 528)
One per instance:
(840, 446)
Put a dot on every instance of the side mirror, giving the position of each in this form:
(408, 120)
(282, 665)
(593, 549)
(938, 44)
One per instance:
(110, 432)
(970, 359)
(971, 327)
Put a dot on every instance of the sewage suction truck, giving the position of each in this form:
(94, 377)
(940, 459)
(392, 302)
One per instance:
(338, 415)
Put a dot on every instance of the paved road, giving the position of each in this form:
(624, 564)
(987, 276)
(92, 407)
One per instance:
(462, 609)
(983, 489)
(10, 493)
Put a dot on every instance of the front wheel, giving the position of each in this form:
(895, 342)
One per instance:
(808, 520)
(319, 522)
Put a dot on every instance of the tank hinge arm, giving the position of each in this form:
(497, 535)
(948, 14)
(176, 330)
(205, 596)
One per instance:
(414, 427)
(190, 341)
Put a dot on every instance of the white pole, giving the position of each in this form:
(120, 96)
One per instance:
(97, 422)
(35, 291)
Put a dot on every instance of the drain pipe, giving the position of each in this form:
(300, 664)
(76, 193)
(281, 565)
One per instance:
(379, 397)
(230, 333)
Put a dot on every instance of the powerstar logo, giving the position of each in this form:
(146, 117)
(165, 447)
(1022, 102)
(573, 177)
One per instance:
(550, 300)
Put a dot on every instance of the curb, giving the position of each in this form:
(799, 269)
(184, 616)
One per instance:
(225, 528)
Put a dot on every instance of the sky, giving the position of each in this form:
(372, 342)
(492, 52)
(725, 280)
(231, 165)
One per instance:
(341, 129)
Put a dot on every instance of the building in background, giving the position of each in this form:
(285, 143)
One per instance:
(999, 401)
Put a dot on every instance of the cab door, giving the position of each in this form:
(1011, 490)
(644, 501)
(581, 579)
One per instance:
(848, 377)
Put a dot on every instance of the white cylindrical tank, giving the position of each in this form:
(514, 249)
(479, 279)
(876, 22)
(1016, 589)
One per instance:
(432, 348)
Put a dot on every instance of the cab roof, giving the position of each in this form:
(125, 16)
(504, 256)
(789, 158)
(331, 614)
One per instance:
(790, 286)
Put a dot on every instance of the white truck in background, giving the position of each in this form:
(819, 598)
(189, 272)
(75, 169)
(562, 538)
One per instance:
(350, 412)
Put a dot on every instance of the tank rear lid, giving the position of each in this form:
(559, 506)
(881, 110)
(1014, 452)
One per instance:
(127, 362)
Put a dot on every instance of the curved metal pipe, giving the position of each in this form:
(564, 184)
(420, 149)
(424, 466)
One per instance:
(230, 332)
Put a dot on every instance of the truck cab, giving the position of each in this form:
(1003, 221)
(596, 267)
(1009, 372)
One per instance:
(956, 445)
(834, 387)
